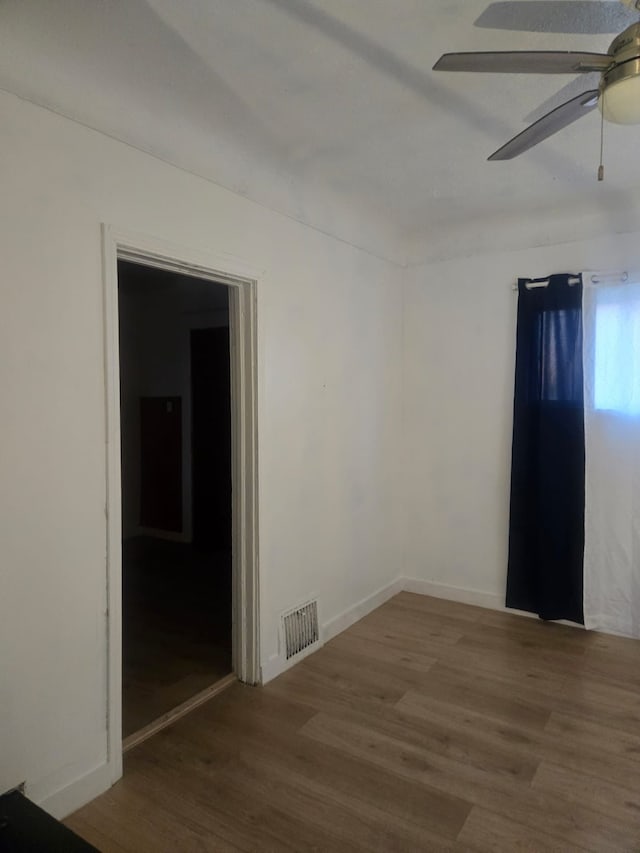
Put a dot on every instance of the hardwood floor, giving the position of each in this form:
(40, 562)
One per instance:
(429, 725)
(176, 626)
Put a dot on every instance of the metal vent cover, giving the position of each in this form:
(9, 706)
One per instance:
(300, 629)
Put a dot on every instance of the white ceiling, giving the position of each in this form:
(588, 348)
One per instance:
(310, 107)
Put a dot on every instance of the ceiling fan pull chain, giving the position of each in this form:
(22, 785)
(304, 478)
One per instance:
(601, 166)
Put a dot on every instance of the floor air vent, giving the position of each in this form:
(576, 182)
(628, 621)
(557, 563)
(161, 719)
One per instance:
(300, 629)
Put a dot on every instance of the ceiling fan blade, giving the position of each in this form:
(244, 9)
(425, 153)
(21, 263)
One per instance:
(589, 17)
(548, 125)
(572, 89)
(525, 62)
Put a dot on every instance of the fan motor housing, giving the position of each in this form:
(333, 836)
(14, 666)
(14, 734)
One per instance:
(626, 45)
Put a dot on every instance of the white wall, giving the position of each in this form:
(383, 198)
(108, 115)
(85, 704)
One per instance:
(459, 355)
(329, 338)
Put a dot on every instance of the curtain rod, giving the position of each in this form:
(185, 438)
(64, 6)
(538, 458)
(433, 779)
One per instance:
(609, 277)
(595, 278)
(533, 283)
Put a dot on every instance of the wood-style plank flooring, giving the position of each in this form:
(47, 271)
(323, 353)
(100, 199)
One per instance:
(428, 725)
(176, 626)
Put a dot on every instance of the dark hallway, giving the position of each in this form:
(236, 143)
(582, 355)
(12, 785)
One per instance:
(176, 489)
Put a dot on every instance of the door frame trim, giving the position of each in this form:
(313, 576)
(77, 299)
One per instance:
(242, 281)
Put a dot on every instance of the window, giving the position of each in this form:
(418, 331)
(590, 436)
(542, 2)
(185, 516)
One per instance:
(617, 349)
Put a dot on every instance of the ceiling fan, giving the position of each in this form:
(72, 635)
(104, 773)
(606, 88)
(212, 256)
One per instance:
(618, 92)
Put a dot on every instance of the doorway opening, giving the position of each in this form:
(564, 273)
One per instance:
(175, 426)
(240, 281)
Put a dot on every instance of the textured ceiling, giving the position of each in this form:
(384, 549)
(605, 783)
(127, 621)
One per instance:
(310, 107)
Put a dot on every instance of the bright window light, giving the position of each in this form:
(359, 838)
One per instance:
(617, 350)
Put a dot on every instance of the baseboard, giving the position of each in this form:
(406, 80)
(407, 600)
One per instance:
(276, 664)
(76, 794)
(606, 625)
(272, 668)
(454, 593)
(358, 611)
(489, 600)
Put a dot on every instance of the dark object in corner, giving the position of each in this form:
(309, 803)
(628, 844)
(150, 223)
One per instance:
(26, 828)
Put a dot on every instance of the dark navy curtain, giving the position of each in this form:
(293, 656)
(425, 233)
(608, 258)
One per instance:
(546, 527)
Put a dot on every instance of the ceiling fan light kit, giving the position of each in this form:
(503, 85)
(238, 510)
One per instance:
(617, 96)
(622, 102)
(620, 85)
